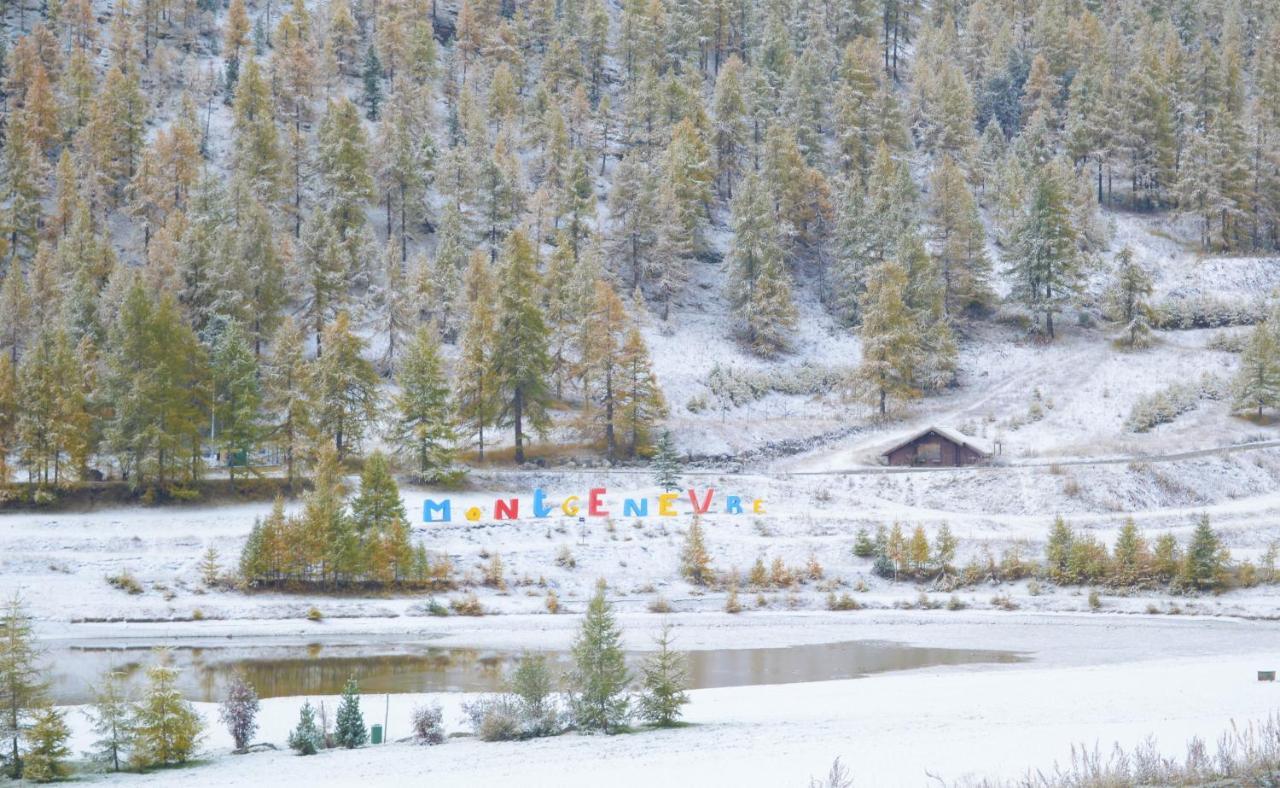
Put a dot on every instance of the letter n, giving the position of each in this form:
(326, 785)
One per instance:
(632, 507)
(506, 509)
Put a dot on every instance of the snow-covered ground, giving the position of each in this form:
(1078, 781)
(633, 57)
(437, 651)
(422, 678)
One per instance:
(1092, 680)
(1115, 675)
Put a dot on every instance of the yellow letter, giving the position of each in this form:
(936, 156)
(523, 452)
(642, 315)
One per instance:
(757, 506)
(665, 509)
(570, 507)
(473, 514)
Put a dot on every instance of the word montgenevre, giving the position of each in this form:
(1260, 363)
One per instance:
(434, 511)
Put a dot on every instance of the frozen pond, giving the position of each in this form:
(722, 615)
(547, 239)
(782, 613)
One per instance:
(322, 669)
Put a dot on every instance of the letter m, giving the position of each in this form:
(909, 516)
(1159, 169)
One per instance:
(430, 508)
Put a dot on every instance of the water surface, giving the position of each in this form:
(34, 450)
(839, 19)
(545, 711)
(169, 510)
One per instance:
(322, 669)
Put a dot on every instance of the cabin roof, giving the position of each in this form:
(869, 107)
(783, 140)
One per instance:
(955, 437)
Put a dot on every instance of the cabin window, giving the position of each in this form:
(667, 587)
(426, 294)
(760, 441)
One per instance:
(930, 453)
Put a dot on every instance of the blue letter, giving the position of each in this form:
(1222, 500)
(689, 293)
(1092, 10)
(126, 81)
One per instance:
(732, 504)
(539, 508)
(430, 507)
(635, 508)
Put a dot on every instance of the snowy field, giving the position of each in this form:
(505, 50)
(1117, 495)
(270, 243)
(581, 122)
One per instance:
(1094, 677)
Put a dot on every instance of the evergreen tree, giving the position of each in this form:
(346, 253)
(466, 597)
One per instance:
(759, 286)
(1130, 556)
(892, 351)
(961, 239)
(664, 679)
(350, 731)
(600, 677)
(423, 425)
(1058, 551)
(22, 689)
(15, 311)
(111, 716)
(1257, 384)
(47, 749)
(601, 366)
(642, 403)
(239, 711)
(307, 738)
(519, 361)
(288, 396)
(237, 397)
(372, 78)
(1203, 565)
(335, 546)
(666, 463)
(377, 506)
(695, 561)
(1044, 261)
(345, 387)
(167, 729)
(476, 393)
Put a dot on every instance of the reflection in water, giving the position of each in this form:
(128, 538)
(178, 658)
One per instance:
(322, 669)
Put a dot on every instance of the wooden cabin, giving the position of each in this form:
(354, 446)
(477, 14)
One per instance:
(938, 447)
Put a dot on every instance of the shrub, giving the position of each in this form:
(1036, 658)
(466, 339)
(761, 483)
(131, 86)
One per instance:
(1095, 601)
(731, 603)
(659, 604)
(1004, 602)
(955, 603)
(495, 717)
(842, 602)
(314, 614)
(239, 711)
(493, 573)
(552, 603)
(428, 724)
(565, 559)
(125, 581)
(467, 605)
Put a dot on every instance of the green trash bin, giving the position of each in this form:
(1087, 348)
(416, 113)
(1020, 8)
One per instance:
(375, 734)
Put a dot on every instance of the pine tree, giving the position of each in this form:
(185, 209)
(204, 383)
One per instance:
(15, 311)
(47, 749)
(288, 396)
(22, 688)
(892, 351)
(423, 425)
(600, 367)
(1044, 261)
(336, 545)
(1203, 565)
(759, 286)
(239, 711)
(372, 79)
(519, 362)
(8, 415)
(405, 155)
(642, 403)
(944, 546)
(167, 729)
(1057, 552)
(476, 393)
(237, 397)
(1130, 556)
(666, 463)
(664, 679)
(600, 677)
(111, 716)
(306, 739)
(1257, 384)
(961, 239)
(350, 732)
(695, 561)
(377, 505)
(345, 387)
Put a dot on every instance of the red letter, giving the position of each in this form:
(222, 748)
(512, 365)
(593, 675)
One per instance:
(706, 501)
(506, 510)
(595, 504)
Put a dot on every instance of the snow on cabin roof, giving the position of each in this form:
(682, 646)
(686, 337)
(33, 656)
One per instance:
(960, 438)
